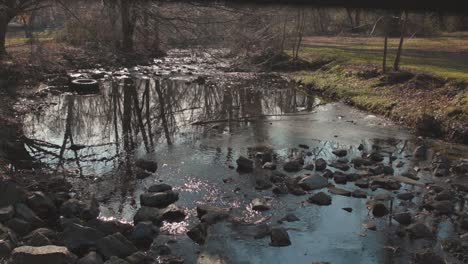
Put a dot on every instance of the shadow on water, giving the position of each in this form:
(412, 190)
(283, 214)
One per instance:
(195, 129)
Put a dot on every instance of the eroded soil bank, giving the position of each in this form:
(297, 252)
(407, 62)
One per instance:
(183, 162)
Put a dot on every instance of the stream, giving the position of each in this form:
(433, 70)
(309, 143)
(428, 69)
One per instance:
(195, 119)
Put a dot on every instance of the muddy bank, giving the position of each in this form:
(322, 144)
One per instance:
(430, 105)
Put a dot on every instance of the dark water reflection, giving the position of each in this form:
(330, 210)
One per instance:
(196, 130)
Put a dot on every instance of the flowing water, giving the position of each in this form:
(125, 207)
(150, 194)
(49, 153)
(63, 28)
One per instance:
(195, 128)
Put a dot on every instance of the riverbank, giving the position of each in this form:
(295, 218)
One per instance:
(432, 106)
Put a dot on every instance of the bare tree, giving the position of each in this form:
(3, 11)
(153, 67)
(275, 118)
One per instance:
(396, 65)
(9, 9)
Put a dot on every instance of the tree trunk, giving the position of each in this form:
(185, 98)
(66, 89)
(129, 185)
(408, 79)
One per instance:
(127, 26)
(350, 17)
(396, 65)
(3, 29)
(357, 18)
(384, 64)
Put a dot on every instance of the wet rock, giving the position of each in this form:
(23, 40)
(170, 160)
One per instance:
(91, 258)
(292, 166)
(376, 157)
(441, 207)
(42, 255)
(320, 164)
(5, 249)
(141, 173)
(340, 166)
(419, 230)
(28, 215)
(269, 166)
(313, 182)
(245, 164)
(277, 177)
(379, 210)
(327, 174)
(339, 191)
(6, 213)
(172, 213)
(11, 193)
(370, 224)
(420, 152)
(160, 250)
(262, 230)
(279, 237)
(7, 234)
(362, 183)
(340, 152)
(406, 196)
(308, 167)
(115, 260)
(139, 258)
(359, 162)
(403, 218)
(144, 233)
(79, 238)
(146, 213)
(347, 209)
(386, 183)
(280, 189)
(461, 168)
(387, 170)
(464, 221)
(290, 218)
(20, 226)
(50, 234)
(441, 161)
(260, 204)
(76, 208)
(359, 194)
(41, 204)
(353, 177)
(320, 198)
(377, 169)
(211, 215)
(444, 196)
(159, 200)
(427, 256)
(262, 184)
(170, 259)
(115, 245)
(148, 165)
(198, 233)
(162, 187)
(109, 227)
(340, 178)
(441, 172)
(38, 240)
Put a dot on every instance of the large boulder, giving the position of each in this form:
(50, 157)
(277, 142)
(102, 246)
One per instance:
(28, 215)
(320, 198)
(320, 164)
(6, 213)
(292, 166)
(144, 233)
(42, 255)
(279, 237)
(245, 164)
(76, 208)
(161, 187)
(340, 152)
(80, 238)
(198, 233)
(146, 213)
(159, 199)
(5, 249)
(11, 193)
(313, 182)
(419, 230)
(109, 227)
(91, 258)
(41, 204)
(115, 245)
(148, 165)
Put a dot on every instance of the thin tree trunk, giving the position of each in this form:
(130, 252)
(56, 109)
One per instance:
(3, 29)
(384, 64)
(396, 65)
(350, 17)
(357, 18)
(127, 26)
